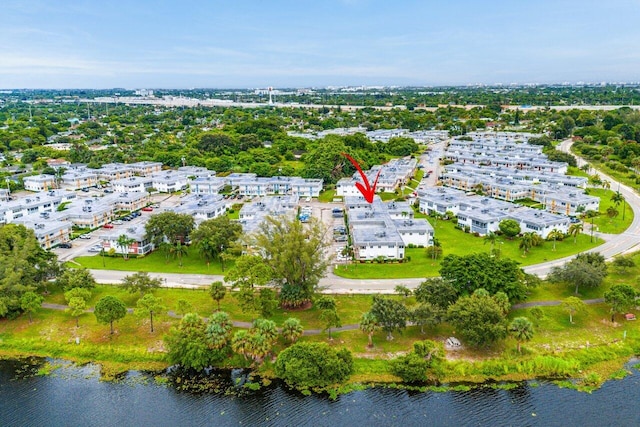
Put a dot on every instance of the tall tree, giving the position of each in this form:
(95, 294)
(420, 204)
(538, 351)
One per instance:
(437, 292)
(573, 306)
(140, 282)
(76, 278)
(426, 314)
(219, 330)
(478, 318)
(521, 329)
(169, 227)
(470, 272)
(621, 298)
(578, 272)
(369, 325)
(391, 314)
(510, 228)
(30, 302)
(77, 306)
(213, 236)
(294, 252)
(330, 318)
(622, 262)
(124, 242)
(618, 199)
(149, 305)
(575, 229)
(187, 344)
(249, 272)
(108, 309)
(555, 235)
(217, 292)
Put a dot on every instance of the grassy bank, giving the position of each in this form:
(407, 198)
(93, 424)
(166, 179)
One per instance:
(592, 349)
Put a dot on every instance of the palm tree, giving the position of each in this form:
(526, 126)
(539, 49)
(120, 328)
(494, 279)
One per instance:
(585, 167)
(369, 325)
(179, 250)
(521, 329)
(240, 342)
(207, 249)
(259, 346)
(575, 229)
(292, 329)
(124, 242)
(618, 198)
(606, 184)
(555, 235)
(166, 248)
(526, 242)
(491, 238)
(612, 212)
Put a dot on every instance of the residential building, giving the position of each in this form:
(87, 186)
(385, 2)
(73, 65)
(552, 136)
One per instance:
(48, 232)
(140, 245)
(39, 183)
(132, 184)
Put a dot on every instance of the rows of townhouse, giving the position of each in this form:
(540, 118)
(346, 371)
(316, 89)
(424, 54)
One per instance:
(390, 177)
(381, 135)
(52, 226)
(148, 176)
(384, 229)
(483, 215)
(513, 177)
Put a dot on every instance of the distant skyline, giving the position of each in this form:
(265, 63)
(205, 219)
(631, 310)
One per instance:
(300, 43)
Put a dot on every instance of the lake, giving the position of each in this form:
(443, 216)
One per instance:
(74, 396)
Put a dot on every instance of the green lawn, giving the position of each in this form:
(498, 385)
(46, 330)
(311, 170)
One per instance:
(156, 262)
(327, 196)
(605, 224)
(456, 242)
(575, 171)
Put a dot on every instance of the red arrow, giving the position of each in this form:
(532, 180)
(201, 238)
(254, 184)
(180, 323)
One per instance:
(369, 191)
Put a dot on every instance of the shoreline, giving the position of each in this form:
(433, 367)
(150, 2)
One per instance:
(583, 369)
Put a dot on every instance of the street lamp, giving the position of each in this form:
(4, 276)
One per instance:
(8, 186)
(222, 257)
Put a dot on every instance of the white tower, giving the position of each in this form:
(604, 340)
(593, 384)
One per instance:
(270, 93)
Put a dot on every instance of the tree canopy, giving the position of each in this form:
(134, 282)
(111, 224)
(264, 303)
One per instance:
(294, 253)
(480, 270)
(310, 364)
(108, 309)
(479, 319)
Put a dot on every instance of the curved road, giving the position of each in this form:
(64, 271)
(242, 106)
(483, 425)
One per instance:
(614, 245)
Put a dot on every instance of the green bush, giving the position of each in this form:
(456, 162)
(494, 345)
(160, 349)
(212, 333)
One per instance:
(305, 365)
(411, 368)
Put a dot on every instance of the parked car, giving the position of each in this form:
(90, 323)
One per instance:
(155, 206)
(86, 236)
(65, 245)
(147, 209)
(107, 226)
(117, 222)
(94, 249)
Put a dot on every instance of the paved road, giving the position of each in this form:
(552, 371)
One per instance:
(615, 244)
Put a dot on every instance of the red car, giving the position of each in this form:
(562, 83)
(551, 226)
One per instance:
(147, 209)
(107, 226)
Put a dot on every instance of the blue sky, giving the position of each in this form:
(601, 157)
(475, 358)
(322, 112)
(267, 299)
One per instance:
(300, 43)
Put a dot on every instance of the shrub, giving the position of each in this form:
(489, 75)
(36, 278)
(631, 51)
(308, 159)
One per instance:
(309, 364)
(411, 368)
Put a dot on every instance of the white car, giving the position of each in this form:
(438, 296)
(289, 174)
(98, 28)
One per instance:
(86, 236)
(117, 222)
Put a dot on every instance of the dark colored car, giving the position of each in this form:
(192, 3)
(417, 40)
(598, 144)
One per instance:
(64, 245)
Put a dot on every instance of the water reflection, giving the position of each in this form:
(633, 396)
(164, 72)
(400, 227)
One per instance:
(74, 396)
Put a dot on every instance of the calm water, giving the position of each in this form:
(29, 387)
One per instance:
(75, 397)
